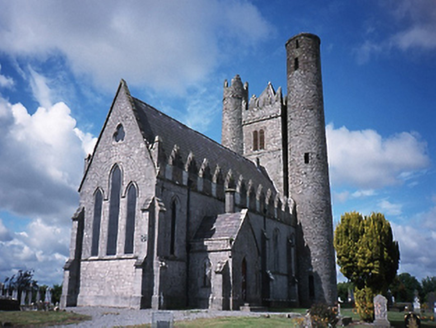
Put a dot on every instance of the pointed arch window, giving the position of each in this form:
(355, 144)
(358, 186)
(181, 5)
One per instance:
(98, 203)
(173, 228)
(255, 140)
(130, 220)
(114, 211)
(261, 139)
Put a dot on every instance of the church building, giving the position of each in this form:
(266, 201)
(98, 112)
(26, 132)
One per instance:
(169, 218)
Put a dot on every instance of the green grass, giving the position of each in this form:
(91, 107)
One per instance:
(41, 318)
(237, 322)
(395, 318)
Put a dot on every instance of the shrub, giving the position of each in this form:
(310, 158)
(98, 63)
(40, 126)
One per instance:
(364, 304)
(322, 316)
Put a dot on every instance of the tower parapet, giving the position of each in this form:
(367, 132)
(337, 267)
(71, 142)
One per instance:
(308, 170)
(235, 100)
(265, 136)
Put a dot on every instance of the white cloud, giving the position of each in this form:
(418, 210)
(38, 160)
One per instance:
(418, 18)
(415, 22)
(416, 249)
(43, 248)
(42, 160)
(162, 44)
(4, 233)
(42, 163)
(40, 88)
(5, 82)
(389, 208)
(364, 159)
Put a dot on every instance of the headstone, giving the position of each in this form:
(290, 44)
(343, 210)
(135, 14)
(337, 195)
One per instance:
(416, 305)
(23, 297)
(412, 320)
(48, 296)
(381, 311)
(162, 319)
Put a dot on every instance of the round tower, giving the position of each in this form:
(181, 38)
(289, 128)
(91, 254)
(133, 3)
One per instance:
(308, 170)
(234, 101)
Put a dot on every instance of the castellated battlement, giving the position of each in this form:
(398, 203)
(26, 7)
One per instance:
(212, 180)
(268, 105)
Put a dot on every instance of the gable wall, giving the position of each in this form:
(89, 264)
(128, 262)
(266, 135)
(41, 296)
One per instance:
(106, 280)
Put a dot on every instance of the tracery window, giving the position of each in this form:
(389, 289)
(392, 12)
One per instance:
(130, 220)
(114, 211)
(98, 203)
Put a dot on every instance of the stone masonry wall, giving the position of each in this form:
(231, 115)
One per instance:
(308, 170)
(132, 156)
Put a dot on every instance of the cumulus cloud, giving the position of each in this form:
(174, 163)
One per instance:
(416, 249)
(41, 160)
(365, 160)
(42, 247)
(161, 44)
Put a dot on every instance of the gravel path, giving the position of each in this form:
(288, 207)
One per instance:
(106, 317)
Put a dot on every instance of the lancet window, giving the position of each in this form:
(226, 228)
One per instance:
(98, 203)
(114, 211)
(130, 219)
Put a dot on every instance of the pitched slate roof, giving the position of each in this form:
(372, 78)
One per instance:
(155, 123)
(220, 226)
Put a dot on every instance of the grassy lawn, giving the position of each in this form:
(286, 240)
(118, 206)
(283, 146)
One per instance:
(41, 318)
(395, 318)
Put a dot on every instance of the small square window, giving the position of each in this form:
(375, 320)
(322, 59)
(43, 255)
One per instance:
(306, 158)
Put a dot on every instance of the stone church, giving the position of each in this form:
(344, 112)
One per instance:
(169, 218)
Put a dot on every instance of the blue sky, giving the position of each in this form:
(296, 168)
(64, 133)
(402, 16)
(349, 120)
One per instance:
(61, 62)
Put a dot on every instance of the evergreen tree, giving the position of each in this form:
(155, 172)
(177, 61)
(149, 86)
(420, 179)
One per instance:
(367, 254)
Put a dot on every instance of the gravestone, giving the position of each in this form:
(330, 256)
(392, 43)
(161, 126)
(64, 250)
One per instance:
(162, 319)
(411, 320)
(416, 305)
(381, 312)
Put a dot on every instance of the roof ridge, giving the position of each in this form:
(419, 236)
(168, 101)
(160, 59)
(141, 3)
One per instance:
(197, 132)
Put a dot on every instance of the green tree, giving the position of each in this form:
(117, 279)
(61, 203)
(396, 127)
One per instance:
(404, 287)
(56, 293)
(428, 285)
(343, 288)
(368, 256)
(20, 281)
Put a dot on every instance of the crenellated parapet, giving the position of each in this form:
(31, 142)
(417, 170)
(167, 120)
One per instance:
(201, 176)
(268, 105)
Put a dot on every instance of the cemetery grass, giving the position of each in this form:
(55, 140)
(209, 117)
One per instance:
(395, 318)
(40, 318)
(237, 322)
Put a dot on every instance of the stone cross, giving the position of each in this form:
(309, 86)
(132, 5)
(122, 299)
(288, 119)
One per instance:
(381, 312)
